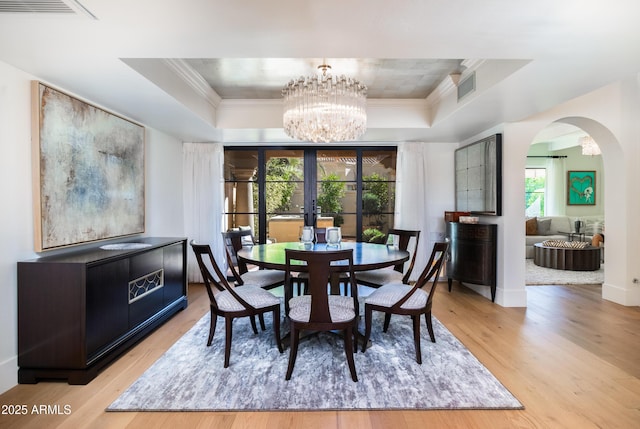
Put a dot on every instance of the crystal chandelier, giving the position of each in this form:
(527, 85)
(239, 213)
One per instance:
(589, 146)
(325, 109)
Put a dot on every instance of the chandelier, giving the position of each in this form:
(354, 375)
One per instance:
(325, 109)
(589, 146)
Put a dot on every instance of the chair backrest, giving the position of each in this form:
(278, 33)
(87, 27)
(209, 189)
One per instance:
(431, 273)
(403, 237)
(233, 242)
(204, 256)
(322, 265)
(321, 235)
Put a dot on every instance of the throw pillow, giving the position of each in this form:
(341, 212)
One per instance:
(544, 226)
(593, 227)
(565, 244)
(532, 226)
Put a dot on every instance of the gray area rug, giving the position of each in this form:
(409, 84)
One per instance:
(536, 275)
(191, 377)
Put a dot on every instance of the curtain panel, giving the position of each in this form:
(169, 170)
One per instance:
(555, 183)
(411, 197)
(203, 201)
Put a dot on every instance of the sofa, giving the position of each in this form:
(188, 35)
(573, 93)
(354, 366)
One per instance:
(539, 229)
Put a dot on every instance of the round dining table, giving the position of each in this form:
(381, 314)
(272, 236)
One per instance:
(366, 256)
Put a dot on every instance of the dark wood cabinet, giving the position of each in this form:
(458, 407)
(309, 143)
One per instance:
(472, 254)
(78, 311)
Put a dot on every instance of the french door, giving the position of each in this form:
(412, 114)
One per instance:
(276, 191)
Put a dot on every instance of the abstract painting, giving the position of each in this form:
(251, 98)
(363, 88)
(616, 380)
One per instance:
(88, 167)
(581, 188)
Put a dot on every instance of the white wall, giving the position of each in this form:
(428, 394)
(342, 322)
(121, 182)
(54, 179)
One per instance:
(441, 190)
(163, 200)
(16, 225)
(610, 116)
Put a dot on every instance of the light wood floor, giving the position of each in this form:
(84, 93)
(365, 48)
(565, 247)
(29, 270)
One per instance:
(571, 358)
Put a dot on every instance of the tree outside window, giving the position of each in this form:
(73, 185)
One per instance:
(534, 191)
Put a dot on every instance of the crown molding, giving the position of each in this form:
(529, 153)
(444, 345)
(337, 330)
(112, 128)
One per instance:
(396, 102)
(192, 78)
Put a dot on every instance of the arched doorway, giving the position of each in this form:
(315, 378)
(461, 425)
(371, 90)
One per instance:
(611, 193)
(564, 190)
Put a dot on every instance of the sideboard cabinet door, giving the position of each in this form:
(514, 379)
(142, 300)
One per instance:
(174, 272)
(106, 311)
(472, 254)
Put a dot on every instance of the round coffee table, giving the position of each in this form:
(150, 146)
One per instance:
(567, 258)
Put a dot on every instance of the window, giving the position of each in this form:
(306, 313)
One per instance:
(278, 190)
(534, 191)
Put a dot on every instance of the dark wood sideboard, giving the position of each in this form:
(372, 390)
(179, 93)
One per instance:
(472, 254)
(78, 311)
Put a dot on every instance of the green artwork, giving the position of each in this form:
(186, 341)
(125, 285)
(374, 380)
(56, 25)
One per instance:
(581, 188)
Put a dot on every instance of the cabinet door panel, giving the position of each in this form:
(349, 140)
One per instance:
(107, 311)
(174, 271)
(473, 253)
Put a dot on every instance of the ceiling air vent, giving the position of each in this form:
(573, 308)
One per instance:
(71, 7)
(467, 86)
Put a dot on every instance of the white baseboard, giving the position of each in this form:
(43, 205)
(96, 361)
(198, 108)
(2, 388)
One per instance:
(504, 297)
(8, 374)
(620, 295)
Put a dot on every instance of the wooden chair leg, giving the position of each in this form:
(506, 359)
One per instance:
(348, 348)
(253, 324)
(427, 317)
(368, 312)
(212, 328)
(276, 328)
(416, 337)
(227, 344)
(387, 319)
(261, 317)
(356, 335)
(293, 353)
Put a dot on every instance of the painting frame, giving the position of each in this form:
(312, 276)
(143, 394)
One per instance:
(88, 171)
(478, 177)
(581, 188)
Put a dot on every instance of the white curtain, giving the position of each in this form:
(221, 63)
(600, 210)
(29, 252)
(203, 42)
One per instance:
(555, 189)
(411, 198)
(203, 200)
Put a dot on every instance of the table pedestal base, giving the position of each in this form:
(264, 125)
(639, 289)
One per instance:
(566, 258)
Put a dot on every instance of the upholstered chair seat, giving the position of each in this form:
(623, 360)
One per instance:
(344, 301)
(389, 294)
(253, 295)
(340, 309)
(263, 278)
(380, 276)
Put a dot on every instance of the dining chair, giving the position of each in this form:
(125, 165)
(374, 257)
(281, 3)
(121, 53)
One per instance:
(321, 311)
(381, 276)
(402, 299)
(236, 240)
(231, 302)
(321, 235)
